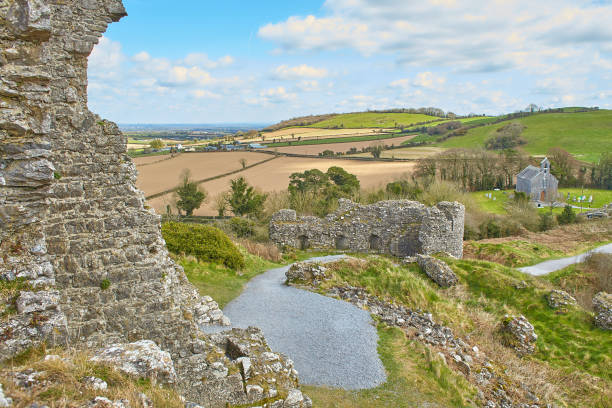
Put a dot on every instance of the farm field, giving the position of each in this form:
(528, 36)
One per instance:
(405, 153)
(340, 147)
(586, 134)
(374, 120)
(309, 132)
(158, 177)
(274, 176)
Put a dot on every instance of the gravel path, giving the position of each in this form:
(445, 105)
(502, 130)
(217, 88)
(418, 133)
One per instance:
(556, 264)
(331, 342)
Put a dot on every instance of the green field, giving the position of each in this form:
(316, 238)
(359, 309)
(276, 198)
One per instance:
(374, 120)
(585, 134)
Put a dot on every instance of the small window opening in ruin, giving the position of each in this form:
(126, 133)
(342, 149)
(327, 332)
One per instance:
(342, 242)
(375, 242)
(303, 240)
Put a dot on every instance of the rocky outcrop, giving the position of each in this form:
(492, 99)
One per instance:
(602, 303)
(142, 359)
(437, 270)
(560, 300)
(519, 334)
(400, 228)
(75, 235)
(306, 273)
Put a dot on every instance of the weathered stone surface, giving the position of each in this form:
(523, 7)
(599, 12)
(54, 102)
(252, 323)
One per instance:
(306, 272)
(558, 299)
(103, 402)
(519, 334)
(142, 359)
(5, 401)
(602, 303)
(72, 219)
(437, 270)
(400, 228)
(95, 383)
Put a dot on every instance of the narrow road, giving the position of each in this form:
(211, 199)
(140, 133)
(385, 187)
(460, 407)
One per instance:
(556, 264)
(331, 342)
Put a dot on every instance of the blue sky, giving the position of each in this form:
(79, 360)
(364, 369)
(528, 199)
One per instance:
(246, 61)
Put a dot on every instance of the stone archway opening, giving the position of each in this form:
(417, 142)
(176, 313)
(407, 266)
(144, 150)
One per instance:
(375, 242)
(342, 243)
(303, 241)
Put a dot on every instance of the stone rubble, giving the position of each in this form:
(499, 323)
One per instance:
(519, 334)
(437, 270)
(208, 312)
(95, 383)
(103, 402)
(602, 303)
(400, 228)
(306, 272)
(559, 299)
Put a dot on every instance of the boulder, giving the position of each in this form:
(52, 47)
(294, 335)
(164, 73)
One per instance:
(437, 270)
(306, 272)
(519, 334)
(142, 359)
(558, 299)
(602, 303)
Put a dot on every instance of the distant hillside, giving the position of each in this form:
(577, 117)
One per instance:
(584, 134)
(300, 121)
(375, 120)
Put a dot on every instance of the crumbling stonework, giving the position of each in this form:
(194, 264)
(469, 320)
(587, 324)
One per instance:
(74, 231)
(400, 228)
(519, 334)
(437, 270)
(602, 303)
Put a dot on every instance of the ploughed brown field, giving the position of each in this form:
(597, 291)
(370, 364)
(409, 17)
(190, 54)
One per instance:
(268, 177)
(161, 176)
(341, 147)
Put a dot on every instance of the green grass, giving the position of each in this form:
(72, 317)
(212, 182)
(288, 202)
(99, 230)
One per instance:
(374, 120)
(586, 134)
(569, 341)
(382, 136)
(489, 205)
(415, 376)
(600, 197)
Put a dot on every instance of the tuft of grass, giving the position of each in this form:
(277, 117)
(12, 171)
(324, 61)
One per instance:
(416, 376)
(105, 284)
(61, 381)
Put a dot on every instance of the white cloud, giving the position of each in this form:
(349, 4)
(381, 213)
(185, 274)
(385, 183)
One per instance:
(202, 60)
(286, 72)
(105, 59)
(469, 36)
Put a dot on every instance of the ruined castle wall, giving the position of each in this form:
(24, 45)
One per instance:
(75, 236)
(400, 228)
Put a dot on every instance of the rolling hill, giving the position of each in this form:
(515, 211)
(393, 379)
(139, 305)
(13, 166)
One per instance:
(584, 134)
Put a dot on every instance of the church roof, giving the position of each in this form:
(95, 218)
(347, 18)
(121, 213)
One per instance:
(529, 172)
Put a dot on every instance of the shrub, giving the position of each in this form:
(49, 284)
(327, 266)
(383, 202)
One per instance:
(568, 216)
(206, 243)
(242, 227)
(105, 284)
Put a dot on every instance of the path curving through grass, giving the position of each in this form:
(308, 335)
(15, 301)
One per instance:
(553, 265)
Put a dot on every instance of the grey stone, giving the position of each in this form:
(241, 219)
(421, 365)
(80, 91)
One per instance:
(95, 383)
(400, 228)
(142, 359)
(602, 303)
(306, 272)
(519, 334)
(5, 401)
(437, 270)
(558, 299)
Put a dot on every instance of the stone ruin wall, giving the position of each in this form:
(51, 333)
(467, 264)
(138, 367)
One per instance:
(71, 218)
(399, 228)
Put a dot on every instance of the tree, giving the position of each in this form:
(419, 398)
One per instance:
(221, 203)
(190, 196)
(243, 162)
(376, 150)
(568, 216)
(156, 144)
(347, 183)
(243, 199)
(563, 166)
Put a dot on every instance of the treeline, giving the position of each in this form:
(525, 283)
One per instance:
(573, 173)
(473, 169)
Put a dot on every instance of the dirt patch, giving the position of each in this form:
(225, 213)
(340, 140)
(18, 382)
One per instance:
(341, 147)
(274, 176)
(406, 153)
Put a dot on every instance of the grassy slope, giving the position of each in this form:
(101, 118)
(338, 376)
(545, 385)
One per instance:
(374, 120)
(569, 349)
(584, 134)
(365, 138)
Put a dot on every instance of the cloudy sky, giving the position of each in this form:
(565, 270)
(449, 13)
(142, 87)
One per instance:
(204, 61)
